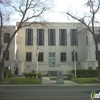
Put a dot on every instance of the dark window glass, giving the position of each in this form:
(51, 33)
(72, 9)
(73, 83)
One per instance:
(40, 36)
(7, 56)
(86, 40)
(63, 57)
(6, 37)
(74, 37)
(63, 37)
(40, 57)
(28, 56)
(74, 56)
(51, 37)
(29, 37)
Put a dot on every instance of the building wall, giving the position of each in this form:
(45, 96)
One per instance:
(18, 43)
(91, 45)
(22, 48)
(9, 29)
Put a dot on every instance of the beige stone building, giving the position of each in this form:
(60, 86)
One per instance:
(61, 46)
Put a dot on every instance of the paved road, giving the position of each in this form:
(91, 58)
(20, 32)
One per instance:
(46, 92)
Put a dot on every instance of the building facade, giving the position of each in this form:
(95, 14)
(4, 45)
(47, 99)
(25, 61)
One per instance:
(54, 46)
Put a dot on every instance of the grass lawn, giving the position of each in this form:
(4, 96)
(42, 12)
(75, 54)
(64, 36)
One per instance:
(21, 80)
(93, 80)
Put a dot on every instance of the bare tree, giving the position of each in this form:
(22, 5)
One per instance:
(94, 8)
(28, 10)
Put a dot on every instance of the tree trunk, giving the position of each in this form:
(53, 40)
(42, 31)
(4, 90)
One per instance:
(98, 58)
(1, 71)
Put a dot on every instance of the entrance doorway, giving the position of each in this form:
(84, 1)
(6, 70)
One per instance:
(52, 59)
(16, 71)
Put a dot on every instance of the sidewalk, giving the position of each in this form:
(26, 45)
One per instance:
(47, 82)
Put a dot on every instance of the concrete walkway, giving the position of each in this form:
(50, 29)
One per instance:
(47, 82)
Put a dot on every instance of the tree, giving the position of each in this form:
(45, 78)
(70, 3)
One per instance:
(28, 10)
(94, 8)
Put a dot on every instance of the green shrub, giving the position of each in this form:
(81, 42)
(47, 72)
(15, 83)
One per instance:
(26, 75)
(40, 75)
(30, 75)
(7, 73)
(86, 73)
(71, 76)
(34, 74)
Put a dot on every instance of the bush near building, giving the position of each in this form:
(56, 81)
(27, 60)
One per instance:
(33, 75)
(7, 73)
(86, 73)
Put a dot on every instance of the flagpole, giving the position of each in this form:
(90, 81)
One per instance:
(37, 54)
(75, 61)
(37, 69)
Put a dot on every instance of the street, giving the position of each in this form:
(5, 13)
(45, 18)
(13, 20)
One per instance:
(47, 92)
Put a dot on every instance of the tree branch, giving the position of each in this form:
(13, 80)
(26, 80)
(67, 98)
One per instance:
(80, 21)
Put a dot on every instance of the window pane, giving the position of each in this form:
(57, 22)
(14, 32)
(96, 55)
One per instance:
(40, 36)
(29, 36)
(75, 56)
(51, 36)
(51, 54)
(63, 57)
(74, 37)
(40, 58)
(86, 40)
(7, 56)
(28, 56)
(63, 37)
(6, 37)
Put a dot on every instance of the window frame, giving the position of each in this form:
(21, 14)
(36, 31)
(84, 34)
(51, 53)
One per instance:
(41, 57)
(28, 56)
(76, 56)
(63, 39)
(6, 38)
(74, 42)
(51, 39)
(29, 37)
(40, 39)
(63, 57)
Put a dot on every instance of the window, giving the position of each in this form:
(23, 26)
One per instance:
(7, 56)
(74, 56)
(62, 37)
(28, 56)
(52, 54)
(40, 36)
(74, 37)
(97, 55)
(40, 58)
(63, 57)
(6, 37)
(51, 37)
(29, 37)
(52, 59)
(86, 40)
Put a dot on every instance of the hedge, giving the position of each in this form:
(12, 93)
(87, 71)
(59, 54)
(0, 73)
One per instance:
(7, 73)
(86, 73)
(33, 75)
